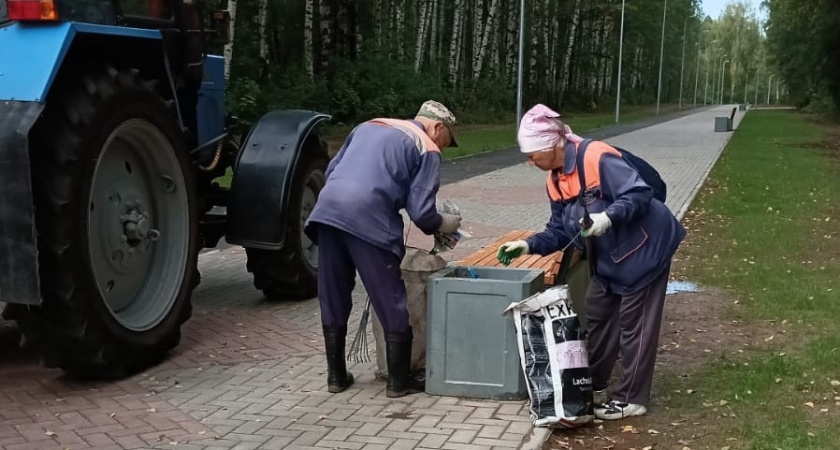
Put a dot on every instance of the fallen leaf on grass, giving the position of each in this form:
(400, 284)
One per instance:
(769, 338)
(809, 404)
(811, 434)
(835, 383)
(690, 391)
(629, 429)
(652, 431)
(723, 403)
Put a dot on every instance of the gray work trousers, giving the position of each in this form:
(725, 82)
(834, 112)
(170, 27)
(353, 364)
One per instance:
(628, 323)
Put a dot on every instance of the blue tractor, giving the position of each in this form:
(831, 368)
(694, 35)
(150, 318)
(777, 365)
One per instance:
(113, 134)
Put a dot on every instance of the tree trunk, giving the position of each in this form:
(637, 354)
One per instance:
(567, 58)
(377, 30)
(400, 29)
(512, 41)
(434, 15)
(455, 44)
(535, 49)
(228, 51)
(325, 31)
(489, 29)
(262, 17)
(478, 30)
(422, 21)
(308, 20)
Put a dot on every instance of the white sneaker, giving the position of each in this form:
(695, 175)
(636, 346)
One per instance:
(615, 410)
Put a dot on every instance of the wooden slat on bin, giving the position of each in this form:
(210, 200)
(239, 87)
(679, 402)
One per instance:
(486, 257)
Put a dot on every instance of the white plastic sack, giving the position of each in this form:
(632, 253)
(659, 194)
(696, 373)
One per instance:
(554, 359)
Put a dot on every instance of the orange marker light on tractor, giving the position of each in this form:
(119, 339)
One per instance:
(32, 10)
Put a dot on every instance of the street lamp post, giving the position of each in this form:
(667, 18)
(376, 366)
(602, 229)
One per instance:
(715, 87)
(661, 55)
(757, 73)
(697, 68)
(722, 79)
(682, 64)
(519, 69)
(620, 48)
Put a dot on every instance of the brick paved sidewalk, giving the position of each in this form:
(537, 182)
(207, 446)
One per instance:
(251, 374)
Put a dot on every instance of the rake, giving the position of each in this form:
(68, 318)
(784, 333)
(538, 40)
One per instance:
(359, 348)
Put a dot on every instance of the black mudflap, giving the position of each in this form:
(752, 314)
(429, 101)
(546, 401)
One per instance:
(18, 251)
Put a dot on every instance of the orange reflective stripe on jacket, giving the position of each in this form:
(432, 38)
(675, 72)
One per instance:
(421, 139)
(568, 186)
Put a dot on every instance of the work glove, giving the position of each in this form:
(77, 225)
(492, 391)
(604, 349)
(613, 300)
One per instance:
(600, 224)
(511, 250)
(450, 223)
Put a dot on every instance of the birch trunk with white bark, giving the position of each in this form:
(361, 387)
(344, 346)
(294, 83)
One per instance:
(489, 29)
(422, 21)
(455, 43)
(567, 58)
(512, 38)
(325, 31)
(228, 50)
(535, 49)
(308, 23)
(400, 28)
(262, 17)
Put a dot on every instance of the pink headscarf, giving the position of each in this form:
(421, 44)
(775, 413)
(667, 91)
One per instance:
(540, 129)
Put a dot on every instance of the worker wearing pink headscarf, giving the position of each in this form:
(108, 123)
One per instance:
(633, 237)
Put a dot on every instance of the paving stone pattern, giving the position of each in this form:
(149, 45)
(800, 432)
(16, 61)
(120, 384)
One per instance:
(250, 374)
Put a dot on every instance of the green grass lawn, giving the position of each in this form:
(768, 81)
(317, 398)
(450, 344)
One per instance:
(767, 233)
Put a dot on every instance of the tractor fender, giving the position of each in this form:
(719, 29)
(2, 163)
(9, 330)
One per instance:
(33, 53)
(18, 248)
(262, 178)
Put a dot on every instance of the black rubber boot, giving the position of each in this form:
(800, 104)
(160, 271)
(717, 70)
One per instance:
(400, 380)
(338, 378)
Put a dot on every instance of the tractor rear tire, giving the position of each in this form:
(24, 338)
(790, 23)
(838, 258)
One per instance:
(117, 226)
(291, 273)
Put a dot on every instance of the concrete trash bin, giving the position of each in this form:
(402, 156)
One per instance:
(417, 266)
(723, 124)
(471, 348)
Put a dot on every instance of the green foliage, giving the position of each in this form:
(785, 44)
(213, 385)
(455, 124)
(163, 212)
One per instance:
(802, 38)
(364, 57)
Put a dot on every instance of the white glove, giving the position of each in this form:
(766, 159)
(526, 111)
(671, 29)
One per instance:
(450, 223)
(510, 246)
(600, 224)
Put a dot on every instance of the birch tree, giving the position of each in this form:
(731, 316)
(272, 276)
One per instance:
(567, 58)
(228, 51)
(423, 21)
(485, 39)
(308, 22)
(325, 31)
(262, 17)
(455, 43)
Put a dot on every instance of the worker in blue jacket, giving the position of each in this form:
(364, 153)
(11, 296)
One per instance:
(384, 166)
(634, 237)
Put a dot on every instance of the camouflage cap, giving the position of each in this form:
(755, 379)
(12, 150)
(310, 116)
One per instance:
(436, 111)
